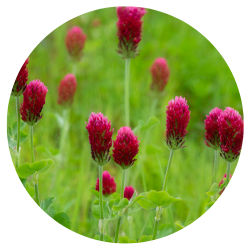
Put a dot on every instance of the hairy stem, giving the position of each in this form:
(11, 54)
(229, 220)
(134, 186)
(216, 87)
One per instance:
(127, 67)
(37, 194)
(101, 204)
(122, 195)
(216, 162)
(31, 144)
(155, 229)
(18, 130)
(228, 173)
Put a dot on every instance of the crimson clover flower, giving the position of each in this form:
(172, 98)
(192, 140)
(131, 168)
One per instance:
(129, 192)
(231, 128)
(108, 184)
(212, 129)
(66, 90)
(222, 182)
(178, 116)
(129, 27)
(74, 41)
(33, 101)
(100, 137)
(126, 147)
(160, 74)
(21, 80)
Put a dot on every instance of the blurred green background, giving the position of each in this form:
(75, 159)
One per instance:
(198, 73)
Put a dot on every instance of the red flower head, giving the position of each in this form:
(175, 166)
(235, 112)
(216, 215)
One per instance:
(33, 101)
(129, 27)
(75, 40)
(212, 129)
(160, 74)
(128, 192)
(231, 128)
(108, 184)
(178, 116)
(66, 90)
(21, 80)
(100, 137)
(222, 182)
(126, 147)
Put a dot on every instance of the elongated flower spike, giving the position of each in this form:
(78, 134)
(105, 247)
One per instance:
(126, 147)
(160, 74)
(75, 40)
(231, 128)
(222, 182)
(178, 116)
(33, 101)
(21, 80)
(129, 27)
(129, 192)
(212, 129)
(66, 90)
(100, 137)
(108, 184)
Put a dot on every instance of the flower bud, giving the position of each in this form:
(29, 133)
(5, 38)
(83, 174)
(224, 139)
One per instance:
(129, 27)
(100, 137)
(33, 101)
(108, 184)
(160, 74)
(66, 90)
(21, 80)
(126, 147)
(178, 116)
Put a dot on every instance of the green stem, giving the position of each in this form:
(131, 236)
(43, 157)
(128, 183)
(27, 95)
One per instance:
(170, 214)
(127, 67)
(168, 169)
(216, 162)
(31, 144)
(155, 229)
(18, 130)
(228, 172)
(120, 217)
(101, 204)
(37, 194)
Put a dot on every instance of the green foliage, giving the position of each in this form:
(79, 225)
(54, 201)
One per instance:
(96, 209)
(164, 230)
(145, 238)
(121, 205)
(94, 192)
(63, 219)
(106, 238)
(155, 199)
(214, 189)
(30, 189)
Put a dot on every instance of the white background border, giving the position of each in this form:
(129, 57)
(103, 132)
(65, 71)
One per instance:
(24, 24)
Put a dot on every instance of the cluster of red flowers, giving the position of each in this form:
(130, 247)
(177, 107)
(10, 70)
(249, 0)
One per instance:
(224, 131)
(178, 116)
(129, 30)
(33, 101)
(160, 74)
(75, 40)
(108, 183)
(126, 147)
(100, 137)
(21, 80)
(66, 90)
(129, 192)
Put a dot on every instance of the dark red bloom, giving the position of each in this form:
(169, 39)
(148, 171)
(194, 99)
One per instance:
(160, 74)
(222, 181)
(212, 128)
(75, 40)
(126, 147)
(108, 184)
(178, 116)
(100, 137)
(129, 30)
(21, 80)
(67, 89)
(128, 192)
(231, 128)
(33, 101)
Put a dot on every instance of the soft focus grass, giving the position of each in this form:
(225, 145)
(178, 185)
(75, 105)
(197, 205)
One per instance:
(198, 73)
